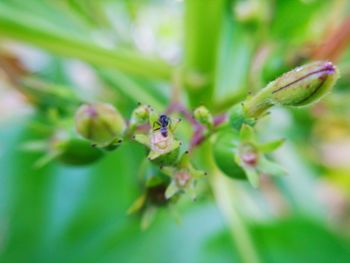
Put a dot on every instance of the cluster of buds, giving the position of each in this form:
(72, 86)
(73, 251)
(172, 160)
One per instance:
(236, 149)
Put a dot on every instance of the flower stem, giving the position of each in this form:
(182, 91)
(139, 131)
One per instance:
(222, 189)
(203, 20)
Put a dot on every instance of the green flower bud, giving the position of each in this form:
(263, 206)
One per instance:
(301, 86)
(184, 177)
(139, 116)
(203, 116)
(100, 123)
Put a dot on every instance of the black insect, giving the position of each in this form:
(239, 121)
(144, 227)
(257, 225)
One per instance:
(163, 123)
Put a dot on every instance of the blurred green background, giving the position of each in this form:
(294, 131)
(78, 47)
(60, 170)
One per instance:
(124, 52)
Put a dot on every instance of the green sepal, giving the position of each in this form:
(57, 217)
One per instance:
(148, 217)
(271, 168)
(137, 204)
(142, 139)
(271, 146)
(171, 190)
(156, 154)
(247, 134)
(253, 176)
(238, 117)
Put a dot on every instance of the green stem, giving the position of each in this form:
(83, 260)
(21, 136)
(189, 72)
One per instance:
(224, 192)
(229, 101)
(25, 27)
(203, 20)
(222, 189)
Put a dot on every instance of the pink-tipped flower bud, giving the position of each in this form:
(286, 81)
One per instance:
(100, 123)
(298, 87)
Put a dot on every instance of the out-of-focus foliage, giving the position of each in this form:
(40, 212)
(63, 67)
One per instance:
(124, 52)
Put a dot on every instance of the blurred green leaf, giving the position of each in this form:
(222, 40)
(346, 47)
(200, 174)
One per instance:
(26, 26)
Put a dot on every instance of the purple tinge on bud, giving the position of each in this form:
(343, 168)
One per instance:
(305, 84)
(298, 87)
(182, 177)
(249, 154)
(100, 123)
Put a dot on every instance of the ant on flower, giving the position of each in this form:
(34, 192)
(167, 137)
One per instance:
(163, 125)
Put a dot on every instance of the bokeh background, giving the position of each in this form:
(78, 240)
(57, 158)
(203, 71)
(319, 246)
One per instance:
(124, 52)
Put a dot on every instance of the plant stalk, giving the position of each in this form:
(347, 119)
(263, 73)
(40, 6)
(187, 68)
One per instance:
(203, 20)
(222, 189)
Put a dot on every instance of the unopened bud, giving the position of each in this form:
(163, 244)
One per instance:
(139, 116)
(100, 123)
(301, 86)
(204, 117)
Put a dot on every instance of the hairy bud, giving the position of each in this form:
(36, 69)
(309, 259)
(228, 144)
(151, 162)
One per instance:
(203, 116)
(301, 86)
(139, 116)
(100, 123)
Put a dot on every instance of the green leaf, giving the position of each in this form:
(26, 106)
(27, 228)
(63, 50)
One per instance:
(28, 27)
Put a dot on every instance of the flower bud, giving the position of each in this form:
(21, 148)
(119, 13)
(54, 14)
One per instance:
(301, 86)
(100, 123)
(203, 116)
(183, 177)
(139, 116)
